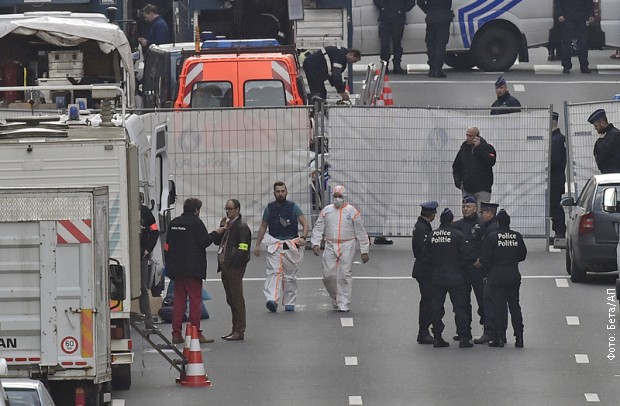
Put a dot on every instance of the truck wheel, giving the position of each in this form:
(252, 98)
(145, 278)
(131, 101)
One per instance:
(495, 49)
(459, 60)
(121, 377)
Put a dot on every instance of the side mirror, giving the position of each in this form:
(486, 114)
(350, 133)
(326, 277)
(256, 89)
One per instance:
(567, 201)
(610, 202)
(117, 281)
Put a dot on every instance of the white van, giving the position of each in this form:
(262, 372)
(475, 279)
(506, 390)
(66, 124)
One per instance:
(489, 34)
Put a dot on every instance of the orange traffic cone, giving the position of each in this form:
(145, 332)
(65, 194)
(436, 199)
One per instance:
(188, 340)
(386, 93)
(195, 374)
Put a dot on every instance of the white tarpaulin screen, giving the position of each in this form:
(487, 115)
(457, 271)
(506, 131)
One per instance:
(392, 159)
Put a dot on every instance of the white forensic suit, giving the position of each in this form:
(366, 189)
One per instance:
(281, 279)
(343, 230)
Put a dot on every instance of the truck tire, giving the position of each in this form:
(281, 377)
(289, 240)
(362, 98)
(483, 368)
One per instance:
(459, 61)
(495, 49)
(121, 377)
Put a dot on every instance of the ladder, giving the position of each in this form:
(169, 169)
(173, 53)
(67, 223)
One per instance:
(147, 330)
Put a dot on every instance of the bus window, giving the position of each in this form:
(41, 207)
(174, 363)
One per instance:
(264, 93)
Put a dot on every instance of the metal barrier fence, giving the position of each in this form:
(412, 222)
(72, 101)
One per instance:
(392, 159)
(580, 139)
(220, 154)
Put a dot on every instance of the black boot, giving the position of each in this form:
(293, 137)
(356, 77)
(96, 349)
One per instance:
(519, 340)
(397, 69)
(440, 342)
(484, 338)
(496, 341)
(465, 343)
(439, 74)
(424, 337)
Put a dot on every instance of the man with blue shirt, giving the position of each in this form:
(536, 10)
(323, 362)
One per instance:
(159, 32)
(285, 248)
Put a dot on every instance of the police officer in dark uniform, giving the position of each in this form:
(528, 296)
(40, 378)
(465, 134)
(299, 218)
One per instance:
(504, 100)
(149, 233)
(423, 269)
(438, 18)
(469, 226)
(448, 250)
(572, 16)
(392, 20)
(489, 225)
(557, 178)
(328, 63)
(607, 146)
(501, 253)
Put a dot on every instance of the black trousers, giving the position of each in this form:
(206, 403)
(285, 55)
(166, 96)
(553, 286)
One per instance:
(574, 30)
(502, 295)
(491, 313)
(437, 36)
(457, 297)
(475, 282)
(391, 36)
(425, 316)
(558, 219)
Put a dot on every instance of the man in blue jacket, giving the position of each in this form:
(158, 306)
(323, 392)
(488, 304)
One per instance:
(186, 264)
(159, 32)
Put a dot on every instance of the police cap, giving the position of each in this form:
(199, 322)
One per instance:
(430, 206)
(597, 115)
(500, 82)
(503, 219)
(446, 216)
(469, 199)
(555, 116)
(488, 206)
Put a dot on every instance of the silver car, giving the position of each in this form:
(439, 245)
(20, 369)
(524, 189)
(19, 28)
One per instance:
(26, 392)
(592, 233)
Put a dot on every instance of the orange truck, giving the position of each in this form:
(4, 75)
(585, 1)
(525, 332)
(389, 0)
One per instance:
(237, 74)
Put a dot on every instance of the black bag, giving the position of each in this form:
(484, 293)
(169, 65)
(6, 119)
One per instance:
(166, 310)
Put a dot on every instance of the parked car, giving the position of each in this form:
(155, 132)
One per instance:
(592, 233)
(26, 392)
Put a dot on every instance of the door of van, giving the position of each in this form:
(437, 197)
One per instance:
(269, 82)
(208, 83)
(610, 22)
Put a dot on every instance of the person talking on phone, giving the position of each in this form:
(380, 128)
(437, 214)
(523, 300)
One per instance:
(472, 168)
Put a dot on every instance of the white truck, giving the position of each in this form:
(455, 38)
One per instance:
(54, 318)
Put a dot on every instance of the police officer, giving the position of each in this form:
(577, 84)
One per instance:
(328, 63)
(501, 253)
(505, 103)
(572, 16)
(489, 225)
(558, 178)
(392, 20)
(607, 146)
(438, 18)
(469, 226)
(447, 251)
(149, 233)
(422, 268)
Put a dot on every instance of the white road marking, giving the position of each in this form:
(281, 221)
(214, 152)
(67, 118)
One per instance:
(355, 400)
(591, 397)
(519, 88)
(380, 278)
(582, 359)
(548, 69)
(350, 360)
(346, 322)
(561, 283)
(552, 249)
(572, 320)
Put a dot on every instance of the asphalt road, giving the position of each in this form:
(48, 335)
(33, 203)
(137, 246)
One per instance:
(316, 356)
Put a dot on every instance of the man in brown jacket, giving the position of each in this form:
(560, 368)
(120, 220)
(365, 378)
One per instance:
(232, 258)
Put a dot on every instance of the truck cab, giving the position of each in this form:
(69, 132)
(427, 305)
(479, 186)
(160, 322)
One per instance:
(235, 73)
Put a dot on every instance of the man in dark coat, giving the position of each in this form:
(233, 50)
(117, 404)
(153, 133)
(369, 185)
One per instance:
(423, 268)
(607, 146)
(505, 103)
(557, 178)
(572, 16)
(472, 168)
(392, 20)
(186, 264)
(502, 251)
(438, 19)
(149, 233)
(159, 33)
(232, 258)
(469, 226)
(447, 252)
(329, 63)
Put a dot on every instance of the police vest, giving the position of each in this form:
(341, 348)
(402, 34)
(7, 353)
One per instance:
(282, 220)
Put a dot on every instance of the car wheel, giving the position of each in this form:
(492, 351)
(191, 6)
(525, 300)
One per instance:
(459, 61)
(618, 289)
(495, 49)
(121, 377)
(568, 261)
(576, 274)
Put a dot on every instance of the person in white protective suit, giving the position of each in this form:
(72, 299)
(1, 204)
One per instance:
(285, 248)
(341, 225)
